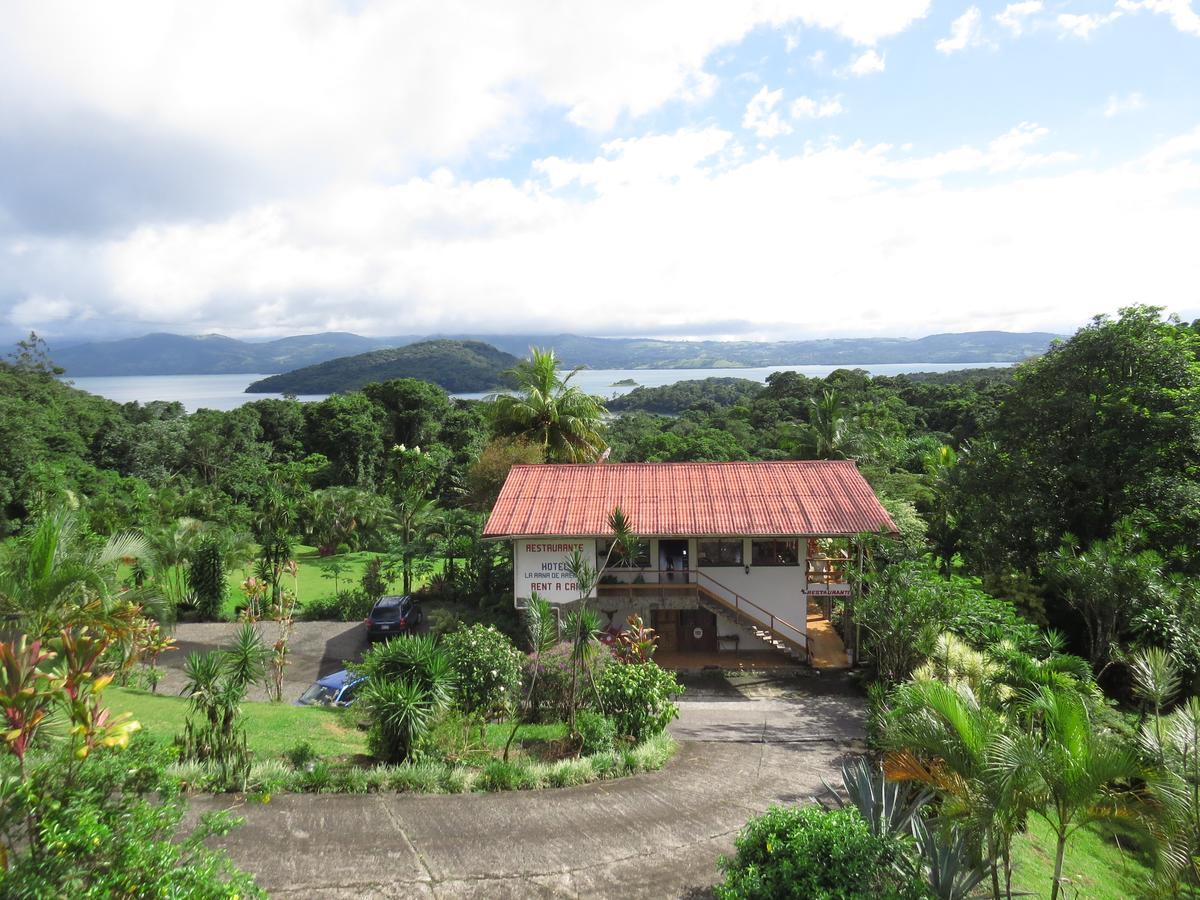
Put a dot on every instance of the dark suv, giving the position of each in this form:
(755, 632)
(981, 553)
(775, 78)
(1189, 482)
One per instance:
(393, 615)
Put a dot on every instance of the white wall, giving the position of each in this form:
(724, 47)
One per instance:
(777, 589)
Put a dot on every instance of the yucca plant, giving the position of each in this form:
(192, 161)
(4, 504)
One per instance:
(951, 867)
(400, 712)
(888, 807)
(416, 657)
(541, 633)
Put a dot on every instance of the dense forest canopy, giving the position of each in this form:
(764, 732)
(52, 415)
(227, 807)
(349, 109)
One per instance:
(1069, 485)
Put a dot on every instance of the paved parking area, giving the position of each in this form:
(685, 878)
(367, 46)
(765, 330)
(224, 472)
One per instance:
(746, 743)
(317, 648)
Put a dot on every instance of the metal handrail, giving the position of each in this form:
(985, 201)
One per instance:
(764, 617)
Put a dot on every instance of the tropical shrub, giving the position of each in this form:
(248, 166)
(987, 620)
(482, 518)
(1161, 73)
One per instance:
(597, 732)
(552, 688)
(346, 606)
(81, 815)
(206, 578)
(410, 682)
(637, 697)
(635, 643)
(808, 852)
(113, 830)
(487, 670)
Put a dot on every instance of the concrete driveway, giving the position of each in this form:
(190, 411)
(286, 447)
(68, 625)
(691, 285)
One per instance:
(745, 743)
(316, 649)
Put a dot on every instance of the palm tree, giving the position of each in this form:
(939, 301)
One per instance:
(827, 424)
(940, 736)
(541, 632)
(171, 549)
(414, 520)
(56, 577)
(1174, 742)
(548, 410)
(1071, 774)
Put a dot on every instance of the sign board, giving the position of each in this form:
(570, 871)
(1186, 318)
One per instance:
(836, 589)
(541, 565)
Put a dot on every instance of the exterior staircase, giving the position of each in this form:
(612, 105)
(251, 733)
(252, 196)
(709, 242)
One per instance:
(778, 634)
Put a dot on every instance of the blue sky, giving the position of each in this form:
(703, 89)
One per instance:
(794, 168)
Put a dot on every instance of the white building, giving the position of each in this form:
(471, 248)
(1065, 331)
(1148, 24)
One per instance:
(736, 558)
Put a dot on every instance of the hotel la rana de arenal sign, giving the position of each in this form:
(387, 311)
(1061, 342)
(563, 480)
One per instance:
(541, 565)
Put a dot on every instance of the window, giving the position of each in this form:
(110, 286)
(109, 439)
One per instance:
(720, 553)
(618, 560)
(775, 553)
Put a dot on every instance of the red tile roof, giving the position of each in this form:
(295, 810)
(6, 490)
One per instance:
(824, 497)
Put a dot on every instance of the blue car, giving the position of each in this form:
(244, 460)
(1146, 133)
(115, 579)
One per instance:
(337, 689)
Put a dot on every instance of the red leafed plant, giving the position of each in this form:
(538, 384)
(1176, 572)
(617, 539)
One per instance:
(636, 643)
(27, 693)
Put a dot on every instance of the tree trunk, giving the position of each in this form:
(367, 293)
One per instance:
(1059, 849)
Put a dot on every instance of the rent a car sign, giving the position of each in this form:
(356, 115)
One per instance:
(542, 565)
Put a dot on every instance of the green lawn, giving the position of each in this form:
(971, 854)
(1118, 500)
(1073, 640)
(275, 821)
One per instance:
(311, 582)
(1102, 862)
(274, 728)
(271, 728)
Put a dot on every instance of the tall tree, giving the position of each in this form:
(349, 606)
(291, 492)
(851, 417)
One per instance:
(548, 410)
(1103, 426)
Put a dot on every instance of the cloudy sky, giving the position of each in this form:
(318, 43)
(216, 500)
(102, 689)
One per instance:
(671, 167)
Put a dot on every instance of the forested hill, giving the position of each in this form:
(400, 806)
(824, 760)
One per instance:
(213, 354)
(706, 394)
(454, 365)
(209, 354)
(647, 353)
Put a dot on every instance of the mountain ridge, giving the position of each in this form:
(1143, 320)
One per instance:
(163, 353)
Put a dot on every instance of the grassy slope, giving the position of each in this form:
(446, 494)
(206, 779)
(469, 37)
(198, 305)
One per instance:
(1100, 863)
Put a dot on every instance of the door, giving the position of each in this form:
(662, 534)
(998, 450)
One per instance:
(698, 631)
(673, 560)
(666, 623)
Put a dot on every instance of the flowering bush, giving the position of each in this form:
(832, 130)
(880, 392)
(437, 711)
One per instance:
(637, 697)
(487, 667)
(552, 696)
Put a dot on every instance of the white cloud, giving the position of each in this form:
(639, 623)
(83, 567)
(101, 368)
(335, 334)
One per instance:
(762, 117)
(808, 108)
(866, 63)
(1014, 16)
(965, 31)
(377, 83)
(1182, 16)
(1118, 104)
(1083, 24)
(999, 235)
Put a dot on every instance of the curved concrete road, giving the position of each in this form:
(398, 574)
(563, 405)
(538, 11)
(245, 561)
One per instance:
(654, 835)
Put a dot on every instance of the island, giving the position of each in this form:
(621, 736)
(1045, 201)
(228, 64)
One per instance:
(457, 366)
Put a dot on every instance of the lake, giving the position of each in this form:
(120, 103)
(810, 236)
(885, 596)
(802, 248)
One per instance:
(228, 391)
